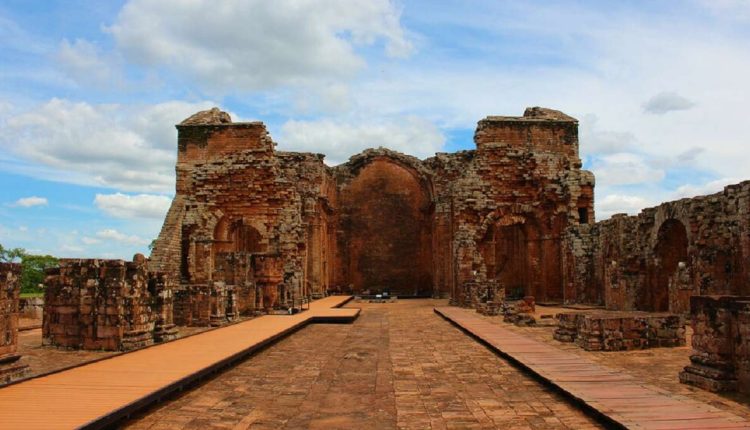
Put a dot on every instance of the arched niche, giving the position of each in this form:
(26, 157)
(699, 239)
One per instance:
(670, 250)
(237, 236)
(386, 223)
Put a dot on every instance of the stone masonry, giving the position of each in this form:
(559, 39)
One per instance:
(106, 304)
(514, 215)
(721, 344)
(453, 225)
(657, 260)
(10, 367)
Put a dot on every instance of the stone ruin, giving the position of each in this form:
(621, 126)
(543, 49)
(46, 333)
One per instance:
(10, 366)
(513, 215)
(721, 344)
(453, 225)
(620, 331)
(657, 260)
(106, 304)
(252, 229)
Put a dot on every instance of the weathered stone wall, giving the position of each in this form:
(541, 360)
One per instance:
(657, 260)
(615, 331)
(721, 344)
(205, 305)
(106, 304)
(10, 367)
(383, 220)
(515, 198)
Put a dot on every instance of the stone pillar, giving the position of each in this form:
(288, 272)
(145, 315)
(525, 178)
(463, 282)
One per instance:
(163, 290)
(10, 366)
(742, 345)
(269, 273)
(712, 361)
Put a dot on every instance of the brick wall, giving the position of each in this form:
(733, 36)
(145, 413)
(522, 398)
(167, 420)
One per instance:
(720, 360)
(10, 366)
(106, 304)
(657, 260)
(382, 220)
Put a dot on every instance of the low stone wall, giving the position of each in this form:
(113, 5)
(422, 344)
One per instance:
(10, 367)
(620, 332)
(567, 326)
(31, 307)
(213, 305)
(721, 344)
(106, 304)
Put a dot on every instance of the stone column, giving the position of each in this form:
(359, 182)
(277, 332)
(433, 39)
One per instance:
(163, 290)
(10, 366)
(712, 361)
(269, 273)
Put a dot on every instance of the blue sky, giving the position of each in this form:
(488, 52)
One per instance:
(90, 92)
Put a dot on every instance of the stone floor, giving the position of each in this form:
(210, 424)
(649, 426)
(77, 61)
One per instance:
(398, 366)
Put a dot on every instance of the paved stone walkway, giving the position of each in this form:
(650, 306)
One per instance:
(398, 366)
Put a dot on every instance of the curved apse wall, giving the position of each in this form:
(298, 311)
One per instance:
(387, 225)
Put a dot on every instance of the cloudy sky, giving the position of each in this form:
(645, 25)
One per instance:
(90, 92)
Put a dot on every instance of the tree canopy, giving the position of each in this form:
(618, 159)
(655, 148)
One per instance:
(32, 267)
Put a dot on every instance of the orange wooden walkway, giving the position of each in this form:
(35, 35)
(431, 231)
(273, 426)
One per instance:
(619, 398)
(99, 393)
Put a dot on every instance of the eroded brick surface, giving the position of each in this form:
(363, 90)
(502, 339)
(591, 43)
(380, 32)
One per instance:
(389, 369)
(657, 260)
(622, 331)
(10, 366)
(721, 334)
(451, 225)
(106, 304)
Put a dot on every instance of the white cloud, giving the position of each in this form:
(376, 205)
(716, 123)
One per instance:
(667, 102)
(126, 147)
(84, 62)
(597, 141)
(71, 248)
(339, 140)
(90, 240)
(27, 202)
(112, 234)
(254, 44)
(133, 206)
(731, 9)
(625, 168)
(710, 187)
(618, 203)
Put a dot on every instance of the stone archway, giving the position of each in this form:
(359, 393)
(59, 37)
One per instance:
(670, 250)
(386, 223)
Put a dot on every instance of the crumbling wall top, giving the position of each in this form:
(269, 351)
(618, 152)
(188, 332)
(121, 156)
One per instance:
(208, 117)
(533, 114)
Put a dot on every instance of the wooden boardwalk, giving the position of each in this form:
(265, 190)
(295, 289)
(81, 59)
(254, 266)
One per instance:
(617, 397)
(97, 394)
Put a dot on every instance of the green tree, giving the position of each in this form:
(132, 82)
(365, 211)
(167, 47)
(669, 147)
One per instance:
(32, 271)
(11, 255)
(32, 267)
